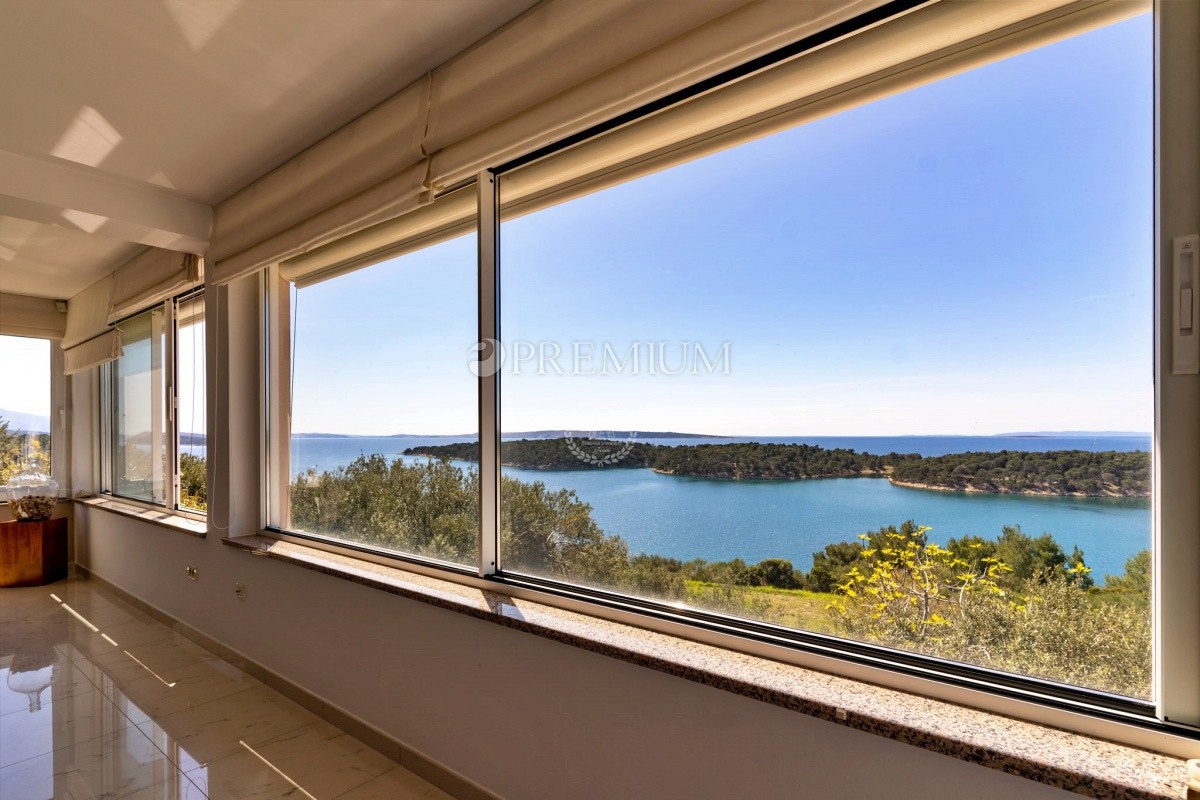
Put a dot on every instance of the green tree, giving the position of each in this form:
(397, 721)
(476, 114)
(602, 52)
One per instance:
(19, 449)
(776, 572)
(193, 482)
(1137, 577)
(906, 589)
(831, 565)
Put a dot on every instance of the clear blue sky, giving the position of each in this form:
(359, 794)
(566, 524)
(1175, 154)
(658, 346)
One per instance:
(969, 257)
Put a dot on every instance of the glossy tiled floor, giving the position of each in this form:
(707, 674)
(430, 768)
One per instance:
(98, 700)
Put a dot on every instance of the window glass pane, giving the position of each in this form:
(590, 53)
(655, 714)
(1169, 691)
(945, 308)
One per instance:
(381, 364)
(886, 375)
(24, 405)
(190, 383)
(140, 451)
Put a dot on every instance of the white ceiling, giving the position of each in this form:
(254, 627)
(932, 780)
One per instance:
(124, 121)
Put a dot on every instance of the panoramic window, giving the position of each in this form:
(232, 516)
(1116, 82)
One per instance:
(155, 401)
(24, 405)
(884, 376)
(379, 366)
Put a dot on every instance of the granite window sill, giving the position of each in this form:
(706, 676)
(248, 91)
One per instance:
(155, 516)
(1074, 762)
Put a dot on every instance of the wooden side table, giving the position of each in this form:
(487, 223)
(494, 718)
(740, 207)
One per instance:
(33, 553)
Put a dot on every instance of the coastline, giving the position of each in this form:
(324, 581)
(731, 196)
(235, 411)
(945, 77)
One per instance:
(1028, 493)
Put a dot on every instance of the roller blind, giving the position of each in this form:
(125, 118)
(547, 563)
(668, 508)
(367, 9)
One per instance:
(150, 278)
(31, 316)
(917, 48)
(555, 70)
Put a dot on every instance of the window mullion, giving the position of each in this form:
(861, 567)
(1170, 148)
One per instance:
(489, 383)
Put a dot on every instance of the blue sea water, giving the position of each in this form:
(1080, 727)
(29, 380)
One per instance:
(687, 518)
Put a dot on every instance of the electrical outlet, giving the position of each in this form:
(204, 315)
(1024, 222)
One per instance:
(239, 589)
(192, 572)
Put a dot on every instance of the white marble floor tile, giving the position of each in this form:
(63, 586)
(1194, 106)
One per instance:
(114, 765)
(318, 760)
(179, 788)
(187, 687)
(397, 784)
(161, 658)
(135, 710)
(59, 723)
(215, 729)
(37, 677)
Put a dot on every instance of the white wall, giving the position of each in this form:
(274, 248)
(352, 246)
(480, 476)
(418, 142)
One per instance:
(522, 716)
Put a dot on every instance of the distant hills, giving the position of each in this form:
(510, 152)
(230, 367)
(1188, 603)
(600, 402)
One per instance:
(29, 423)
(549, 434)
(1068, 434)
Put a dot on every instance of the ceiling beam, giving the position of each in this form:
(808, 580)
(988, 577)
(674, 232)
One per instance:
(81, 198)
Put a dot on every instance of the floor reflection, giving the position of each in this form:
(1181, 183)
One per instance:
(98, 700)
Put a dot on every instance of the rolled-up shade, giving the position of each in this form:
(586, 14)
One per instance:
(553, 74)
(92, 353)
(558, 68)
(87, 313)
(390, 198)
(902, 53)
(31, 316)
(150, 278)
(452, 215)
(372, 166)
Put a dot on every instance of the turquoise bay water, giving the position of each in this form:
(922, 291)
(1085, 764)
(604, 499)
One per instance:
(718, 520)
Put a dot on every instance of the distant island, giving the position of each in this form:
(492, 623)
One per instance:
(1071, 435)
(547, 434)
(1075, 473)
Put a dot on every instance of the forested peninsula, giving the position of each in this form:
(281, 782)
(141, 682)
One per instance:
(1077, 473)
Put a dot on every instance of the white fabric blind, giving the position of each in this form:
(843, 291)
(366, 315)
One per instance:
(392, 197)
(92, 353)
(88, 340)
(151, 277)
(87, 313)
(652, 59)
(450, 216)
(372, 166)
(925, 45)
(31, 316)
(575, 61)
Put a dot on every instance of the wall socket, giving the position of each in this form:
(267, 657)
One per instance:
(239, 589)
(192, 573)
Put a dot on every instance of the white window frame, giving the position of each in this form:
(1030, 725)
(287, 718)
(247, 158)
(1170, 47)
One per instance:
(1171, 723)
(59, 413)
(106, 430)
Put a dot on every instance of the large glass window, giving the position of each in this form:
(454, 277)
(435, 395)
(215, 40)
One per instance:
(379, 365)
(140, 451)
(886, 375)
(190, 404)
(155, 400)
(878, 381)
(24, 405)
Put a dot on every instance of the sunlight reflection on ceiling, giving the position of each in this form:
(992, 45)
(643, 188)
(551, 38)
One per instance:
(199, 20)
(89, 139)
(83, 220)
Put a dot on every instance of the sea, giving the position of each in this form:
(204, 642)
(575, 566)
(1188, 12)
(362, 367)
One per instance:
(718, 520)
